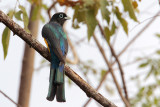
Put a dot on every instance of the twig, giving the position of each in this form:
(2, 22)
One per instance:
(121, 71)
(49, 9)
(138, 34)
(111, 71)
(119, 65)
(10, 99)
(43, 51)
(126, 49)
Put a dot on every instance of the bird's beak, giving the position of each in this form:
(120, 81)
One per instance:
(67, 18)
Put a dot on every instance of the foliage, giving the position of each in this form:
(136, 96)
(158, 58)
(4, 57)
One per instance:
(21, 15)
(148, 95)
(87, 12)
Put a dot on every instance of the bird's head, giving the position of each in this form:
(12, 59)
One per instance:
(59, 18)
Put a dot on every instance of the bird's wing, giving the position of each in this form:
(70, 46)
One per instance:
(52, 36)
(66, 47)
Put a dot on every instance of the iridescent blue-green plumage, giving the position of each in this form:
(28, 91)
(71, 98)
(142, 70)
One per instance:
(58, 47)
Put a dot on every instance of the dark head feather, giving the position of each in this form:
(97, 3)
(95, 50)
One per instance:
(59, 18)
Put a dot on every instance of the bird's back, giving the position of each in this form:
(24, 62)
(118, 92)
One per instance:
(56, 38)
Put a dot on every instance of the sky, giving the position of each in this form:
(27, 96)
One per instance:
(10, 68)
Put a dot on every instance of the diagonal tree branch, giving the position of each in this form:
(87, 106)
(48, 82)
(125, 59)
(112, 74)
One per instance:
(118, 62)
(10, 99)
(139, 33)
(29, 39)
(121, 71)
(123, 50)
(111, 71)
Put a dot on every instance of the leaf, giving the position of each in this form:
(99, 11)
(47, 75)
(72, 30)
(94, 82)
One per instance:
(156, 101)
(149, 73)
(45, 6)
(42, 18)
(25, 18)
(103, 72)
(90, 18)
(122, 20)
(143, 64)
(104, 11)
(18, 15)
(5, 40)
(128, 7)
(109, 89)
(69, 82)
(114, 27)
(107, 34)
(158, 52)
(78, 17)
(158, 35)
(135, 4)
(10, 14)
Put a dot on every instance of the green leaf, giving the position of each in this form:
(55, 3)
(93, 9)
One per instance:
(128, 7)
(77, 17)
(104, 11)
(158, 52)
(158, 35)
(69, 82)
(143, 64)
(122, 20)
(90, 18)
(156, 101)
(114, 27)
(42, 18)
(149, 73)
(103, 72)
(45, 6)
(18, 15)
(107, 34)
(5, 40)
(10, 14)
(25, 18)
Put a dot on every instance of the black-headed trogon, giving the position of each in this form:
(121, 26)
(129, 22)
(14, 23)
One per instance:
(57, 44)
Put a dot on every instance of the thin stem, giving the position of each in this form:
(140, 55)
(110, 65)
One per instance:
(111, 71)
(121, 71)
(138, 34)
(10, 99)
(49, 9)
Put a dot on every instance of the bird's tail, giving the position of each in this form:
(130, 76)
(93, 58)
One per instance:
(52, 86)
(56, 84)
(59, 80)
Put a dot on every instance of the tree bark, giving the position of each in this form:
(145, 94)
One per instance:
(28, 64)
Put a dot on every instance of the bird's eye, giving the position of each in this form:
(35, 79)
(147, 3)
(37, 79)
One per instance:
(61, 16)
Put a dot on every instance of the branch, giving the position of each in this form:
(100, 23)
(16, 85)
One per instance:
(121, 71)
(10, 99)
(138, 34)
(49, 9)
(111, 71)
(29, 39)
(117, 60)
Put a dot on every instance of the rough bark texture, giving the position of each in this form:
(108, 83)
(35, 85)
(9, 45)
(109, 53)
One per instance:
(28, 64)
(44, 52)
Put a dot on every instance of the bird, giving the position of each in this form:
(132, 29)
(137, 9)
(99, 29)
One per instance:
(56, 41)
